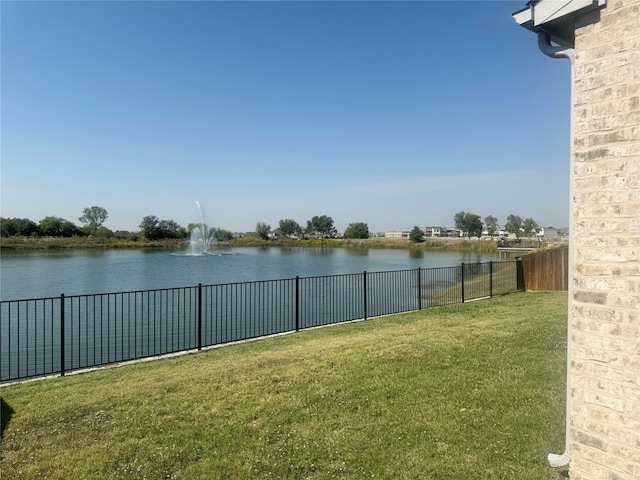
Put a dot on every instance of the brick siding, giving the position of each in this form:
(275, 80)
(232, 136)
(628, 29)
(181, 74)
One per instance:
(605, 356)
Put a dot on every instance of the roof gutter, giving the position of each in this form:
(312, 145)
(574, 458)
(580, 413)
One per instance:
(544, 43)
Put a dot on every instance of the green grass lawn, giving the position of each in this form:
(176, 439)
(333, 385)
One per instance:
(472, 391)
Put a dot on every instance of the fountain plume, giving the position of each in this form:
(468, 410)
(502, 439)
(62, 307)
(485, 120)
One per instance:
(202, 238)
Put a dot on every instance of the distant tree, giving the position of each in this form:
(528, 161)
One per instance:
(458, 221)
(263, 230)
(530, 226)
(170, 229)
(474, 225)
(491, 223)
(155, 229)
(416, 235)
(22, 227)
(289, 227)
(93, 217)
(321, 226)
(7, 228)
(513, 225)
(150, 227)
(357, 230)
(223, 235)
(58, 227)
(468, 223)
(103, 232)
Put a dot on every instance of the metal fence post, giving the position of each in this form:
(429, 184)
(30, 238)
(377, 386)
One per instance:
(419, 289)
(199, 316)
(297, 302)
(365, 293)
(491, 278)
(520, 286)
(62, 335)
(462, 282)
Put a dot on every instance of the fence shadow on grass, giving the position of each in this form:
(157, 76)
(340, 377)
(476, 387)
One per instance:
(6, 412)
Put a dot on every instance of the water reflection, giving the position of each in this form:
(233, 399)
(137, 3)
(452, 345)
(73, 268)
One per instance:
(357, 252)
(73, 272)
(320, 250)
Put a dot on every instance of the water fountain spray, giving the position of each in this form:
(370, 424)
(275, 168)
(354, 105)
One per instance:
(202, 237)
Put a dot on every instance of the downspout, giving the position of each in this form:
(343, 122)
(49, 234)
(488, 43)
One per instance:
(544, 43)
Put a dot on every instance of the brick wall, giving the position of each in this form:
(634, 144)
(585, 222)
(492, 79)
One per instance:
(605, 356)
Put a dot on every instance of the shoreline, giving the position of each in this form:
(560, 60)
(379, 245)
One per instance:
(445, 244)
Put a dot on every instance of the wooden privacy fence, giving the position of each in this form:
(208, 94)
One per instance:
(546, 270)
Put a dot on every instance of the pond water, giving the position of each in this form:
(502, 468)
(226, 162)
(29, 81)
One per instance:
(36, 274)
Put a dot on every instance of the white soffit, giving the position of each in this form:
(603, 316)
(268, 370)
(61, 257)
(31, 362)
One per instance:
(548, 10)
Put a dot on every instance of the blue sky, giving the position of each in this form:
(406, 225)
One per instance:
(391, 113)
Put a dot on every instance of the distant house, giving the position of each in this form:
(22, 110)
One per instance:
(434, 231)
(397, 234)
(431, 232)
(438, 231)
(551, 233)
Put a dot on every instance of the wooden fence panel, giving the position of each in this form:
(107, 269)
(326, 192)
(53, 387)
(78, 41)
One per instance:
(547, 270)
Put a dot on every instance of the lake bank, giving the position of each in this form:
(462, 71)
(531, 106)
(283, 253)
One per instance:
(435, 244)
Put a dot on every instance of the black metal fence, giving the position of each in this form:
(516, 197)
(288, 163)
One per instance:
(46, 336)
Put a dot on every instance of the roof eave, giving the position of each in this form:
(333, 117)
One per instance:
(555, 18)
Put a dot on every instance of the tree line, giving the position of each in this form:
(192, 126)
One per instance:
(319, 226)
(154, 228)
(92, 219)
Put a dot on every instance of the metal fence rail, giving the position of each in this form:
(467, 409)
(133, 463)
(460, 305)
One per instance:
(46, 336)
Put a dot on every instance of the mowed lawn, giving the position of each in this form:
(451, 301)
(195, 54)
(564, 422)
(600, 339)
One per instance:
(472, 391)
